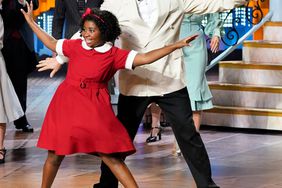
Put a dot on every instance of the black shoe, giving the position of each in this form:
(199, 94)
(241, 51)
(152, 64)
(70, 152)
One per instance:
(3, 154)
(25, 128)
(152, 138)
(213, 185)
(99, 185)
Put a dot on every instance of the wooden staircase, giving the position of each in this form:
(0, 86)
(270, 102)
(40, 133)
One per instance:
(249, 92)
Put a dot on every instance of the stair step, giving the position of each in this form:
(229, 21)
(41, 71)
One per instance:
(272, 31)
(263, 44)
(262, 52)
(273, 24)
(250, 96)
(250, 73)
(245, 111)
(243, 117)
(249, 65)
(243, 87)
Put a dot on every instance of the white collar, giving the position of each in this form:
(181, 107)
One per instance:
(102, 49)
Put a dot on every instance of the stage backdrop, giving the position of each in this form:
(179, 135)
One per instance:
(44, 5)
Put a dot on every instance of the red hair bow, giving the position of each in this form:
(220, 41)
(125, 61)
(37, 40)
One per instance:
(87, 12)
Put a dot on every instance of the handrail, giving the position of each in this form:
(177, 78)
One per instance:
(240, 41)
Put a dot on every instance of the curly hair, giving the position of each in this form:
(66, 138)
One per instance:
(105, 21)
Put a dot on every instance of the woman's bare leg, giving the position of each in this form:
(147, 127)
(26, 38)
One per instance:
(2, 137)
(156, 114)
(50, 169)
(120, 170)
(197, 119)
(2, 134)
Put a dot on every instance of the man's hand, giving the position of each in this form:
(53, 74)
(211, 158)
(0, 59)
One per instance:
(22, 2)
(49, 64)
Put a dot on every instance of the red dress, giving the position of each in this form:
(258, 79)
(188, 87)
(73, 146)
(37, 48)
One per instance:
(80, 118)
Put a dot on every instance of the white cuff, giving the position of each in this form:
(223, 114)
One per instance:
(62, 59)
(130, 59)
(59, 46)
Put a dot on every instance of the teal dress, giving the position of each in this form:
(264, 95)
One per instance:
(195, 57)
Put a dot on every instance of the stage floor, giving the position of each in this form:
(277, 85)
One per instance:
(239, 158)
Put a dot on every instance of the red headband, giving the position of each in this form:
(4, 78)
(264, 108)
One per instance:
(88, 11)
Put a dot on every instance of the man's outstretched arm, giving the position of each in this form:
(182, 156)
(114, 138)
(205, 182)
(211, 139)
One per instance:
(211, 6)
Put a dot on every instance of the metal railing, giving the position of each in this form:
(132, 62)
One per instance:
(232, 34)
(240, 41)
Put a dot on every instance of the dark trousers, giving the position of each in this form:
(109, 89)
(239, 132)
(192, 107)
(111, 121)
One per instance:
(177, 109)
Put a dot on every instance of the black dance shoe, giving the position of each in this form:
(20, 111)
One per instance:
(25, 128)
(212, 184)
(2, 154)
(98, 185)
(152, 138)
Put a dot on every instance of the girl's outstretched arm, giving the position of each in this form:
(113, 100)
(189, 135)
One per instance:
(154, 55)
(47, 40)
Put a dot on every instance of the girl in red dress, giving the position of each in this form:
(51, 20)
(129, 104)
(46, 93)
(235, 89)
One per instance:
(80, 118)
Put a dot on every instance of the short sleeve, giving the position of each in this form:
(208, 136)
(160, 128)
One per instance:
(124, 59)
(61, 58)
(65, 47)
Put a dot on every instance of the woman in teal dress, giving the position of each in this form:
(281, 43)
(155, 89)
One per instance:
(195, 59)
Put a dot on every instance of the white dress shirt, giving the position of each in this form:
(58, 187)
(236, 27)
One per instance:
(148, 11)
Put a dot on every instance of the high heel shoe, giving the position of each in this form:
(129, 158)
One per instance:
(152, 138)
(3, 154)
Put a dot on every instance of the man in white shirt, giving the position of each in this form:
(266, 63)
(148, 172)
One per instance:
(147, 25)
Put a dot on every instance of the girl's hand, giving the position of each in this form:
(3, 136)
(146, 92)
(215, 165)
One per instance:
(49, 64)
(214, 44)
(29, 14)
(186, 41)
